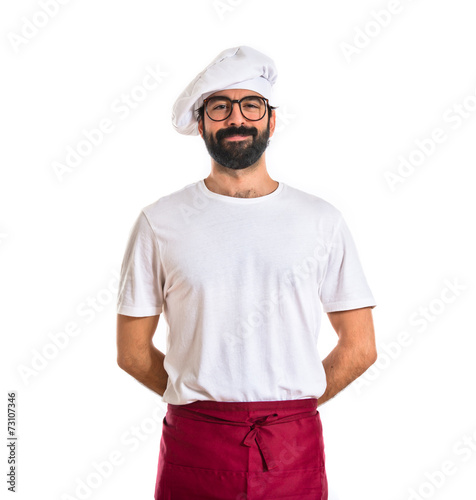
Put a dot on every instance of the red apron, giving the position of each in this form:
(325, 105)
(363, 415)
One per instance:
(262, 450)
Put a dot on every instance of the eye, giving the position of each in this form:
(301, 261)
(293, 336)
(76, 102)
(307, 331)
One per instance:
(252, 103)
(218, 104)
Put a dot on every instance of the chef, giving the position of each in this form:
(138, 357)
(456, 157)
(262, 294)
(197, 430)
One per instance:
(241, 267)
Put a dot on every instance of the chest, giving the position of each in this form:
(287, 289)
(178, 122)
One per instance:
(240, 249)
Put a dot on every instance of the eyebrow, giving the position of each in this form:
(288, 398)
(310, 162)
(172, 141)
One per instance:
(250, 95)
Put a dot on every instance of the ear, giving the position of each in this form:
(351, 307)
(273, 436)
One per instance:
(200, 127)
(272, 122)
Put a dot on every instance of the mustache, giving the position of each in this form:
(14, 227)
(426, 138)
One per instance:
(228, 132)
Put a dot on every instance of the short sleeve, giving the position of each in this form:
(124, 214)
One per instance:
(141, 281)
(344, 285)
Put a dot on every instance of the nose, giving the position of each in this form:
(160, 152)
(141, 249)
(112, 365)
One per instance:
(236, 118)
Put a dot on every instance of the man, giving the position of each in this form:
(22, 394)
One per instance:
(239, 264)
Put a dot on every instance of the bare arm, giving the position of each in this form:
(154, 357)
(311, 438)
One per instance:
(137, 355)
(355, 350)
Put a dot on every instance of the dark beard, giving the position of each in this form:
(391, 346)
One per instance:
(240, 154)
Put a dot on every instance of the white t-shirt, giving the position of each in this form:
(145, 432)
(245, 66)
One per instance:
(240, 283)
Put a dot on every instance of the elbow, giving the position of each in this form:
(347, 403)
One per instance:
(124, 363)
(371, 356)
(131, 363)
(368, 358)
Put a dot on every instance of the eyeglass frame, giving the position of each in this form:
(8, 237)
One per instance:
(205, 101)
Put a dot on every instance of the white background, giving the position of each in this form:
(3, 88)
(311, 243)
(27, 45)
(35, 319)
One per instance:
(344, 121)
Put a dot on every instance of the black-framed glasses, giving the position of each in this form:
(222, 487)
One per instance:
(219, 108)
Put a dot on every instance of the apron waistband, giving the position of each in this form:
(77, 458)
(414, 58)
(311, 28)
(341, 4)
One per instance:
(287, 404)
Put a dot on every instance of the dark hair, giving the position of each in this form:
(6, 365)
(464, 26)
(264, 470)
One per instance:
(200, 112)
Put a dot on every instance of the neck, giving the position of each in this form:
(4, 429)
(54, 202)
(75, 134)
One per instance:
(249, 182)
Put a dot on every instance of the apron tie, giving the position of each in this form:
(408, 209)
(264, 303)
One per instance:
(254, 435)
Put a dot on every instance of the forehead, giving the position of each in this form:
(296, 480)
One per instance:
(234, 93)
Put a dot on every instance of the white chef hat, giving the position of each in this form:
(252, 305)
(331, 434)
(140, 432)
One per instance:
(236, 68)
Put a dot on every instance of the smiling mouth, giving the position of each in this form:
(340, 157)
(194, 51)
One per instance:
(237, 137)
